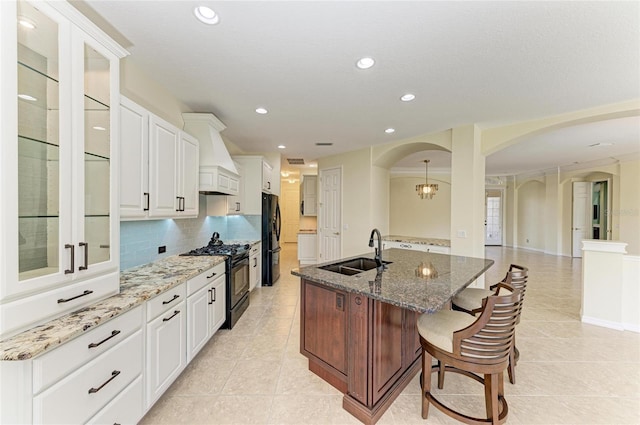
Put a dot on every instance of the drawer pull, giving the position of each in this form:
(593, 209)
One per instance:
(64, 300)
(113, 375)
(210, 296)
(212, 275)
(73, 258)
(175, 313)
(95, 344)
(175, 297)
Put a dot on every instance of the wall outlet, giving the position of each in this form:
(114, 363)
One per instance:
(162, 249)
(462, 233)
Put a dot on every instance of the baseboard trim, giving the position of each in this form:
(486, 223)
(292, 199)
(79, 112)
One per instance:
(603, 323)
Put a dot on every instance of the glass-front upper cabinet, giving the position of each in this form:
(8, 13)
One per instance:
(59, 76)
(97, 151)
(39, 144)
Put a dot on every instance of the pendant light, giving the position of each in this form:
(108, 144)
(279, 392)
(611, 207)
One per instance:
(426, 190)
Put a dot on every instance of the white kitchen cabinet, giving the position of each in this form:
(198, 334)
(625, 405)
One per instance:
(256, 177)
(166, 342)
(220, 205)
(134, 160)
(267, 177)
(159, 173)
(307, 248)
(59, 160)
(309, 196)
(218, 300)
(205, 304)
(255, 266)
(173, 171)
(80, 378)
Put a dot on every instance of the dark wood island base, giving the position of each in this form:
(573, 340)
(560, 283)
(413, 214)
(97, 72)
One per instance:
(366, 348)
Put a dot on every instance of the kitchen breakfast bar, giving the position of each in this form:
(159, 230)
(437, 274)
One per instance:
(358, 323)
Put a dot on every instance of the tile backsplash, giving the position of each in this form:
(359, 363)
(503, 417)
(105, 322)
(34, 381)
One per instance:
(139, 240)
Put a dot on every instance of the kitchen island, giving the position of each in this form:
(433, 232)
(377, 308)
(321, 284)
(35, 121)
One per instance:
(359, 331)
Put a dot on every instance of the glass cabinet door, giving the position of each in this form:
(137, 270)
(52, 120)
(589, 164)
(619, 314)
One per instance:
(97, 166)
(39, 198)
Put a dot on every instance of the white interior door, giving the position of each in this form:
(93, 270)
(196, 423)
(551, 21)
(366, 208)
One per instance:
(289, 202)
(330, 214)
(581, 216)
(493, 218)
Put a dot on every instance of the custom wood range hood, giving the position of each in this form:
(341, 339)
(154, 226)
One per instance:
(217, 171)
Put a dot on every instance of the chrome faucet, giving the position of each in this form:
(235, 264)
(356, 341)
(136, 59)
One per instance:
(378, 251)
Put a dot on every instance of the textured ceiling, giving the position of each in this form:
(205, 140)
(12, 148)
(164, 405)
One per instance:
(489, 63)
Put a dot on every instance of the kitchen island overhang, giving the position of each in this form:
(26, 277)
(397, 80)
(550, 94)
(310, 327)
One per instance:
(359, 331)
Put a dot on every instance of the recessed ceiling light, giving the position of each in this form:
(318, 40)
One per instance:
(261, 111)
(390, 130)
(407, 97)
(26, 22)
(97, 127)
(365, 63)
(313, 165)
(27, 97)
(284, 173)
(206, 15)
(281, 146)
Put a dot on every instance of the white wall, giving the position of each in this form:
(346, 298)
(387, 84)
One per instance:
(531, 209)
(627, 210)
(411, 216)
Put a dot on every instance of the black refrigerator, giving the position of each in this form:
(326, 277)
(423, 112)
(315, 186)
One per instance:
(271, 225)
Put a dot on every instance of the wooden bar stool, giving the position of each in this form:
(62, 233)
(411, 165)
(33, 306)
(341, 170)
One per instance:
(469, 300)
(476, 347)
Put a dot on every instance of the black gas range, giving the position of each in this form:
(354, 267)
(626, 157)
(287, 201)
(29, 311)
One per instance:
(237, 272)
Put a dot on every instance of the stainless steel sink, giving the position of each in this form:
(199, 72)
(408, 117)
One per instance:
(353, 266)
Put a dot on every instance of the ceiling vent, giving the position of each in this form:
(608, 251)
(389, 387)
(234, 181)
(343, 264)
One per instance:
(324, 144)
(295, 161)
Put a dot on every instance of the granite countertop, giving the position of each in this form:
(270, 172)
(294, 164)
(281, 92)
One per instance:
(402, 284)
(137, 285)
(420, 241)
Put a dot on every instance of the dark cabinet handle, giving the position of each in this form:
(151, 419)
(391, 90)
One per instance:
(95, 344)
(255, 262)
(210, 296)
(86, 255)
(302, 208)
(175, 297)
(73, 259)
(237, 206)
(340, 302)
(182, 203)
(212, 275)
(269, 185)
(146, 195)
(64, 300)
(178, 209)
(175, 313)
(113, 375)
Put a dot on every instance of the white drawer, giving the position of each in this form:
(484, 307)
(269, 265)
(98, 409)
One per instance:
(126, 408)
(18, 315)
(52, 366)
(165, 301)
(200, 281)
(80, 395)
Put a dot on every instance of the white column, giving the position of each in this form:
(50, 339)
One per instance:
(467, 194)
(602, 283)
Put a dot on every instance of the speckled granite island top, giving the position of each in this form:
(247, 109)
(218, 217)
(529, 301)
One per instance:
(137, 285)
(415, 240)
(402, 283)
